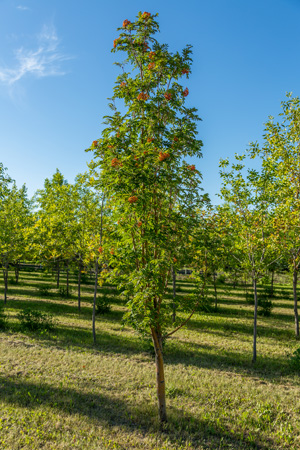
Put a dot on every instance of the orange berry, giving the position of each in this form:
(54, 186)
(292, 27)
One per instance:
(151, 66)
(192, 167)
(126, 23)
(151, 55)
(115, 162)
(186, 92)
(100, 249)
(185, 71)
(175, 139)
(140, 224)
(142, 96)
(112, 252)
(168, 96)
(116, 41)
(95, 143)
(123, 84)
(150, 139)
(174, 260)
(146, 15)
(162, 156)
(133, 199)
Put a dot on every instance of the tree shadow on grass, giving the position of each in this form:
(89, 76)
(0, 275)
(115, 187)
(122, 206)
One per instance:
(266, 368)
(107, 411)
(215, 324)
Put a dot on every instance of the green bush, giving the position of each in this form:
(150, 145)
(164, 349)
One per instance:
(264, 302)
(35, 320)
(265, 306)
(103, 304)
(44, 290)
(295, 360)
(63, 292)
(3, 318)
(221, 279)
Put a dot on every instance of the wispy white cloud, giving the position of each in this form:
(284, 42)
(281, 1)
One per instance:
(23, 8)
(43, 61)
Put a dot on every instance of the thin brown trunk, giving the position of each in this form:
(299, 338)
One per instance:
(160, 377)
(79, 286)
(17, 271)
(174, 294)
(272, 283)
(57, 275)
(255, 319)
(5, 276)
(295, 280)
(94, 302)
(67, 279)
(216, 295)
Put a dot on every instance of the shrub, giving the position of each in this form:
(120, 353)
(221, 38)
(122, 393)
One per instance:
(44, 289)
(103, 304)
(295, 359)
(3, 318)
(35, 320)
(221, 279)
(205, 304)
(63, 292)
(265, 306)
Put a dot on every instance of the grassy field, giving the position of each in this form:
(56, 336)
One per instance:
(59, 391)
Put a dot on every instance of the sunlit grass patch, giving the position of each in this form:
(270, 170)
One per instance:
(59, 391)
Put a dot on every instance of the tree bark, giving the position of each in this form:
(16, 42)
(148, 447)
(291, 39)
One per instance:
(160, 377)
(255, 319)
(79, 285)
(174, 294)
(17, 271)
(67, 266)
(295, 280)
(215, 289)
(94, 302)
(5, 276)
(57, 274)
(272, 282)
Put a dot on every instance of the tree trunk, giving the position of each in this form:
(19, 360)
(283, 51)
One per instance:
(215, 289)
(160, 377)
(57, 275)
(174, 294)
(5, 276)
(272, 283)
(295, 279)
(67, 266)
(79, 285)
(94, 302)
(17, 270)
(255, 319)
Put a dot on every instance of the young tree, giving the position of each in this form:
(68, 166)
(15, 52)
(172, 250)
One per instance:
(247, 219)
(56, 227)
(15, 220)
(149, 188)
(280, 155)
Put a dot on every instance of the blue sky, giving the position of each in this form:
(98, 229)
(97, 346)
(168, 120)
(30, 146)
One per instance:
(56, 72)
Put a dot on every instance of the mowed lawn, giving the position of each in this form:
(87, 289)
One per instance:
(59, 391)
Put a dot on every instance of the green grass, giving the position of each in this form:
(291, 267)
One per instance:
(59, 391)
